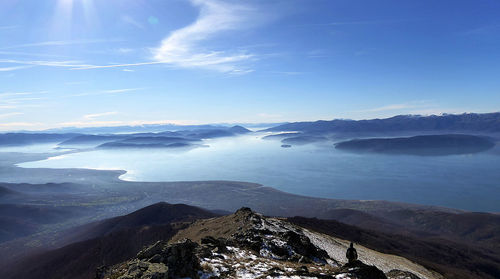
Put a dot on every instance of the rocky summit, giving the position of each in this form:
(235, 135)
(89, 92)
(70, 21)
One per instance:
(249, 245)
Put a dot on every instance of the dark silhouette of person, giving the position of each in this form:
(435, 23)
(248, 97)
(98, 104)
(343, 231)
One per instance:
(351, 254)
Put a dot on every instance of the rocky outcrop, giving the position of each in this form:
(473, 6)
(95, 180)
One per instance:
(358, 269)
(399, 274)
(160, 261)
(242, 245)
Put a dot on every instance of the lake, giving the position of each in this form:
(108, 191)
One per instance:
(470, 182)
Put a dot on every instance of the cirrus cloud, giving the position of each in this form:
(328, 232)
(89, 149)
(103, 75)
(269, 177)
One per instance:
(97, 115)
(183, 47)
(186, 47)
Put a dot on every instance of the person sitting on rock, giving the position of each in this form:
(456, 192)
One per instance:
(351, 254)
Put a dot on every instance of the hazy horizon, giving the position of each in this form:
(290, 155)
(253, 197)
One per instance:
(105, 63)
(249, 125)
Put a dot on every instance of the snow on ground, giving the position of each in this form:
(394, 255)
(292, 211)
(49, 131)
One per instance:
(247, 265)
(336, 249)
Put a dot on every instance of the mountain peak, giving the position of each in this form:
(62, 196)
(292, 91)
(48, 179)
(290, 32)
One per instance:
(248, 245)
(239, 129)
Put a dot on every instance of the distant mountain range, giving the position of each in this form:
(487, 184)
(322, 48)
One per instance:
(150, 128)
(15, 139)
(467, 122)
(448, 123)
(179, 138)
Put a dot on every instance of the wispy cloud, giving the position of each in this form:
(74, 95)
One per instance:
(18, 100)
(70, 64)
(88, 67)
(8, 69)
(114, 91)
(183, 47)
(97, 115)
(8, 94)
(110, 91)
(7, 115)
(186, 47)
(19, 125)
(20, 105)
(8, 107)
(22, 100)
(10, 53)
(60, 43)
(64, 64)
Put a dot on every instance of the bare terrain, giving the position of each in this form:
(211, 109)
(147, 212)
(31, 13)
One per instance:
(47, 209)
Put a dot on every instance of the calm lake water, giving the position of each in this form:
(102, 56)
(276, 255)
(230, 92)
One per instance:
(470, 182)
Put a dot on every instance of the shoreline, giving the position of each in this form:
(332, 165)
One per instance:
(396, 179)
(82, 175)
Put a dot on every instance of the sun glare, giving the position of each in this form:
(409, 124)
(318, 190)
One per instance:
(65, 5)
(66, 11)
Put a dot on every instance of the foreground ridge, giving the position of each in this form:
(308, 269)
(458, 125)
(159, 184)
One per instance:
(246, 245)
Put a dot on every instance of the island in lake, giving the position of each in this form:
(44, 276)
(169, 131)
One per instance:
(426, 145)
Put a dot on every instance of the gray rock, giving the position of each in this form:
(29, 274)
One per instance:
(399, 274)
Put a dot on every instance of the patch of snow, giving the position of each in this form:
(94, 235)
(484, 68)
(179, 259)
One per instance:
(336, 249)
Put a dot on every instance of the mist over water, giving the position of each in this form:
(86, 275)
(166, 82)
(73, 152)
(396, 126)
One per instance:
(32, 148)
(470, 182)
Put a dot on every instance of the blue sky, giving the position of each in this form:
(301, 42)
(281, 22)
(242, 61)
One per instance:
(123, 62)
